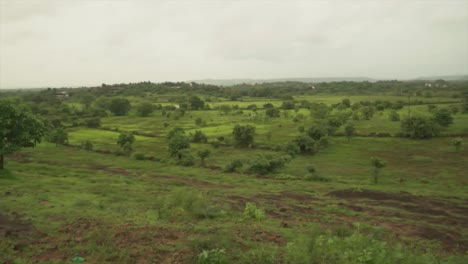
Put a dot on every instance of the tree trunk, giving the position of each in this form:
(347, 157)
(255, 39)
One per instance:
(1, 161)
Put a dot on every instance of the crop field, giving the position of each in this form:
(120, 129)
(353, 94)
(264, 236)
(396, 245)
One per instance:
(63, 203)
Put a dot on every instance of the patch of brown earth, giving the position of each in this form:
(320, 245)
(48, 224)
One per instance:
(14, 227)
(425, 211)
(143, 243)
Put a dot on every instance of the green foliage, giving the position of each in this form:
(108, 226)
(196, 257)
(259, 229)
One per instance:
(196, 103)
(316, 131)
(125, 142)
(93, 122)
(203, 154)
(251, 211)
(443, 117)
(19, 128)
(243, 135)
(87, 100)
(272, 112)
(185, 158)
(377, 164)
(394, 116)
(145, 109)
(457, 143)
(418, 127)
(58, 136)
(120, 106)
(87, 145)
(292, 148)
(265, 164)
(213, 256)
(322, 247)
(175, 131)
(199, 137)
(185, 203)
(233, 166)
(316, 177)
(200, 122)
(349, 131)
(367, 112)
(177, 143)
(304, 145)
(139, 156)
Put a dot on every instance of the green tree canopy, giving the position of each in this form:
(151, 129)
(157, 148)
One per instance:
(243, 135)
(120, 106)
(18, 128)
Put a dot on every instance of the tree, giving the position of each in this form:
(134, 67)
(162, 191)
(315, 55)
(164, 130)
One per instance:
(145, 109)
(120, 106)
(443, 117)
(306, 144)
(58, 136)
(377, 164)
(243, 135)
(196, 103)
(316, 131)
(367, 112)
(203, 154)
(349, 131)
(199, 137)
(418, 127)
(87, 99)
(125, 142)
(177, 143)
(346, 102)
(19, 128)
(272, 112)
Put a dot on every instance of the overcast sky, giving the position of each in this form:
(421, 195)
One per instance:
(88, 42)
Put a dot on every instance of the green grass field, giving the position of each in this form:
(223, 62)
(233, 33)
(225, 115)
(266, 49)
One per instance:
(62, 202)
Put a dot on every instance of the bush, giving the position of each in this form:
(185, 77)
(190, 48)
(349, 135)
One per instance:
(265, 164)
(87, 145)
(185, 158)
(394, 116)
(417, 127)
(93, 123)
(139, 156)
(199, 137)
(243, 135)
(315, 177)
(233, 166)
(251, 211)
(213, 256)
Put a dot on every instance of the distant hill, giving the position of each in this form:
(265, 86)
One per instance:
(445, 77)
(228, 82)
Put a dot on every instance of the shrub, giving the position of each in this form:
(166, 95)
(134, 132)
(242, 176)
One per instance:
(199, 137)
(443, 117)
(265, 164)
(93, 123)
(394, 116)
(87, 145)
(185, 158)
(243, 135)
(233, 166)
(251, 211)
(315, 177)
(419, 127)
(139, 156)
(213, 256)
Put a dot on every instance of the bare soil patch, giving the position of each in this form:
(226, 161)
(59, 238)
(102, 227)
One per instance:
(422, 217)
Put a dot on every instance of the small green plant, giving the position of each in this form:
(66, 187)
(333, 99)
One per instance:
(233, 166)
(377, 164)
(87, 145)
(213, 256)
(139, 156)
(457, 143)
(251, 211)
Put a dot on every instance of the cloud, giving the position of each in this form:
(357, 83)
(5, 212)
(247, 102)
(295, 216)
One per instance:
(55, 43)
